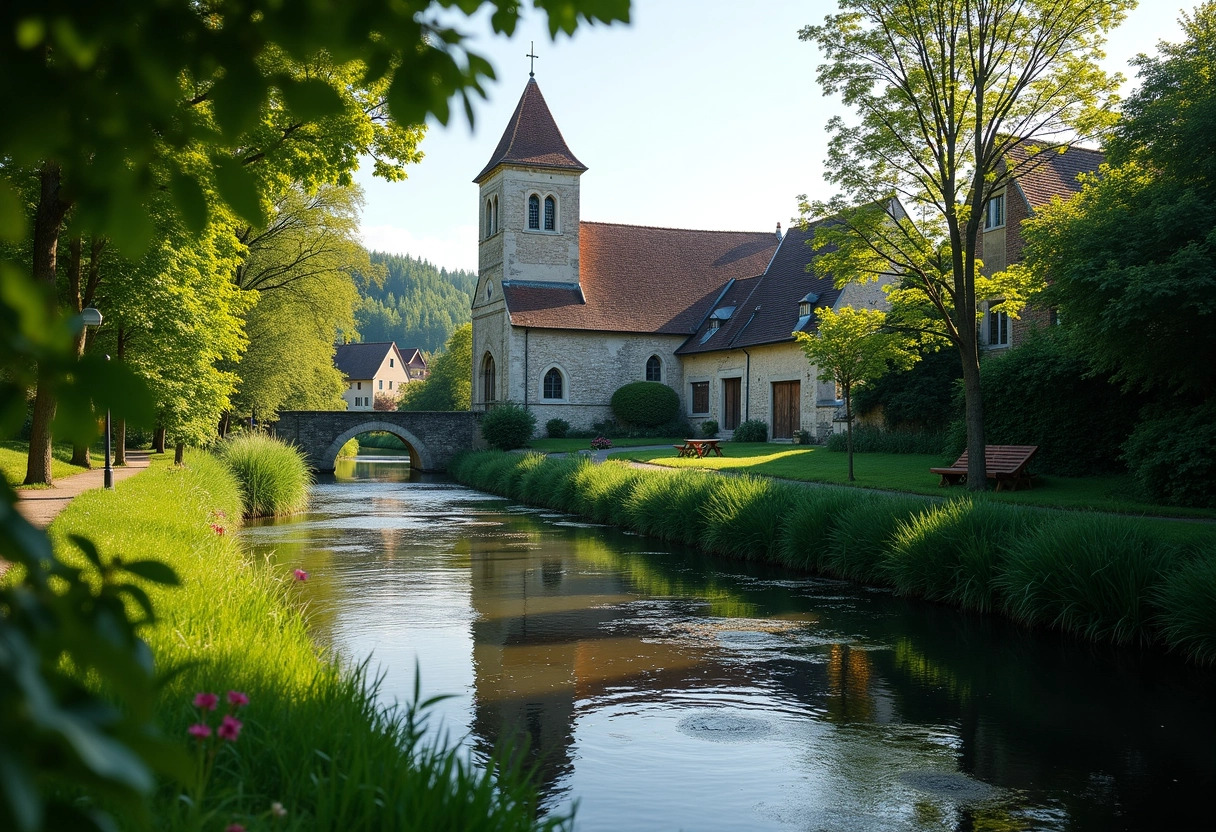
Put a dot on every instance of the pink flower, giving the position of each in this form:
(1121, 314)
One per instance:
(199, 731)
(206, 701)
(236, 698)
(300, 575)
(219, 513)
(234, 827)
(217, 529)
(230, 728)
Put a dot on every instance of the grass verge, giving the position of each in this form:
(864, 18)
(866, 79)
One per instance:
(1102, 577)
(314, 738)
(14, 455)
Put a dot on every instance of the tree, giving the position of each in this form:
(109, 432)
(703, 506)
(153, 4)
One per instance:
(947, 93)
(1132, 258)
(851, 347)
(450, 383)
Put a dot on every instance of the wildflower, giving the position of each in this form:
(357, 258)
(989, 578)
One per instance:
(221, 514)
(300, 575)
(237, 699)
(277, 810)
(234, 827)
(206, 701)
(230, 728)
(199, 730)
(217, 529)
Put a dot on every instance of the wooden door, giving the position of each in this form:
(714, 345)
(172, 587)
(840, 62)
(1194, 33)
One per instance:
(731, 400)
(786, 415)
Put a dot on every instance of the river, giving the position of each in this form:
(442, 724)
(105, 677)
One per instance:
(659, 689)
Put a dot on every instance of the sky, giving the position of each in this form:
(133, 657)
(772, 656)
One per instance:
(697, 114)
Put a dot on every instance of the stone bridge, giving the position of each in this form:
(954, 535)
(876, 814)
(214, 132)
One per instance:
(432, 437)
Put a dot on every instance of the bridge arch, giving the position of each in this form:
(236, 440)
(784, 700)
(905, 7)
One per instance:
(419, 456)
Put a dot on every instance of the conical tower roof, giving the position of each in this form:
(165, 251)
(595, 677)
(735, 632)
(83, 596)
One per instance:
(532, 138)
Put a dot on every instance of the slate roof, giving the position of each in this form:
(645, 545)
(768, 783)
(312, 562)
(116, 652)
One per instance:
(641, 279)
(360, 361)
(532, 138)
(413, 357)
(766, 307)
(1049, 173)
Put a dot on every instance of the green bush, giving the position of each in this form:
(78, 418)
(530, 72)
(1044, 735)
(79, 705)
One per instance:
(1187, 600)
(670, 507)
(862, 535)
(709, 428)
(557, 428)
(349, 450)
(919, 399)
(743, 516)
(273, 475)
(871, 440)
(645, 403)
(1091, 576)
(508, 426)
(1173, 457)
(805, 534)
(753, 430)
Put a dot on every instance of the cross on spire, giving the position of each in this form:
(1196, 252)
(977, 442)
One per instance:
(532, 60)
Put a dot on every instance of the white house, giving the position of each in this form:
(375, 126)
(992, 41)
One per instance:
(372, 369)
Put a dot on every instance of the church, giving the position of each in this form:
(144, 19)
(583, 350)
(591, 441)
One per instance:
(567, 311)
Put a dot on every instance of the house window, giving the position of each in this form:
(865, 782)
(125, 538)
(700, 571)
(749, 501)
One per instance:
(360, 385)
(381, 384)
(804, 309)
(994, 212)
(700, 397)
(390, 384)
(534, 212)
(654, 369)
(487, 378)
(390, 362)
(489, 289)
(553, 384)
(998, 329)
(550, 214)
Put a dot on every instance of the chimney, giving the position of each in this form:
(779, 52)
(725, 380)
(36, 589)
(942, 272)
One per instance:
(778, 232)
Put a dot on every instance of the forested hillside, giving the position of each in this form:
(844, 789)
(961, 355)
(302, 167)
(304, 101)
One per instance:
(417, 306)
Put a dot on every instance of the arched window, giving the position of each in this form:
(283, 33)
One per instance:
(654, 369)
(550, 214)
(495, 223)
(534, 212)
(553, 384)
(488, 392)
(489, 217)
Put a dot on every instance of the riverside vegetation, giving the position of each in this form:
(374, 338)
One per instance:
(1100, 577)
(317, 751)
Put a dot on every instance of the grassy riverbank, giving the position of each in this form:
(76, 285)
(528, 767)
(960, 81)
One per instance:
(1101, 577)
(910, 473)
(314, 738)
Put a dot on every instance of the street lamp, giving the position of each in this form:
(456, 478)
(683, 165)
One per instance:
(92, 317)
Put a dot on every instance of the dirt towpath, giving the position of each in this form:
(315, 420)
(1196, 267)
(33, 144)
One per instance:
(41, 505)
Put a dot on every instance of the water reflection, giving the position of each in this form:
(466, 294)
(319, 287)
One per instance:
(663, 690)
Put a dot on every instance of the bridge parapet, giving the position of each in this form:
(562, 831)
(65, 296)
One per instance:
(433, 437)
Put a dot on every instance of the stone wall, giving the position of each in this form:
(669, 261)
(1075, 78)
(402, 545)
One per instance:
(433, 438)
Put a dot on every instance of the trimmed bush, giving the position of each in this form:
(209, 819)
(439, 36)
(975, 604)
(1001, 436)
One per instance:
(273, 475)
(645, 403)
(1187, 600)
(954, 552)
(1173, 457)
(557, 428)
(753, 430)
(508, 426)
(1091, 576)
(709, 428)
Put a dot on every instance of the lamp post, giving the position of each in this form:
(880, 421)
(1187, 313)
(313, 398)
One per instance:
(92, 317)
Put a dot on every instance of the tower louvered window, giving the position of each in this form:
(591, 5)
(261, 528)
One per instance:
(534, 212)
(550, 214)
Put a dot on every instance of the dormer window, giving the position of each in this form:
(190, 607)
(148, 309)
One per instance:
(550, 214)
(806, 304)
(534, 212)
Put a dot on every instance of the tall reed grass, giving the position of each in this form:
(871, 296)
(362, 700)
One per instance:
(274, 476)
(314, 739)
(1096, 576)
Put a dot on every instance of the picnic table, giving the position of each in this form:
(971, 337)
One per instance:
(699, 448)
(1009, 465)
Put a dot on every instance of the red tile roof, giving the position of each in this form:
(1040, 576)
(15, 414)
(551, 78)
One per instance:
(532, 138)
(1049, 173)
(641, 279)
(766, 308)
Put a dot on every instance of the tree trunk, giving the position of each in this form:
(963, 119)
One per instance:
(158, 441)
(179, 453)
(977, 474)
(225, 420)
(48, 221)
(120, 442)
(80, 451)
(848, 426)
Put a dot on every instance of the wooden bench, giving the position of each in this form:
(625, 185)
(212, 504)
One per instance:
(1007, 464)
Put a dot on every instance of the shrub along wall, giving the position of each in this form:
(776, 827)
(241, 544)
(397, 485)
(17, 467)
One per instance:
(1097, 577)
(314, 738)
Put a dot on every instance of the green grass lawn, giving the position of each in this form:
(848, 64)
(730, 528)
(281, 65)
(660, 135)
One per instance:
(14, 454)
(565, 446)
(910, 472)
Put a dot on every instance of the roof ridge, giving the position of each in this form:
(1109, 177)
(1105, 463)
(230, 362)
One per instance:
(669, 228)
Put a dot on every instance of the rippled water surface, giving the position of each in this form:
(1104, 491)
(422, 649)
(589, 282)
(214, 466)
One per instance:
(663, 690)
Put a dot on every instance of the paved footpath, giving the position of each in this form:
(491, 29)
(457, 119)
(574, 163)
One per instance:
(41, 505)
